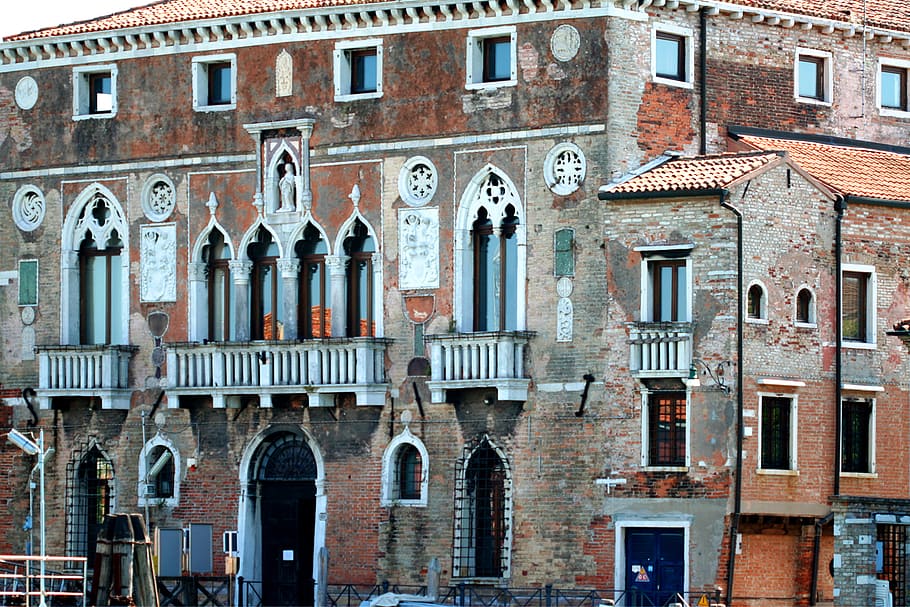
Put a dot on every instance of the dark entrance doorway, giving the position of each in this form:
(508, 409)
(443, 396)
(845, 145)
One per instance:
(287, 486)
(655, 565)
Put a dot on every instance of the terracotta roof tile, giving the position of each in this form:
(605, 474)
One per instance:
(681, 174)
(886, 14)
(852, 171)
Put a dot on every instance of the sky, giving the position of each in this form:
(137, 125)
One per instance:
(18, 16)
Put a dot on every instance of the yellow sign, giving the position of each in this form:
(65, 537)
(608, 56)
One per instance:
(703, 601)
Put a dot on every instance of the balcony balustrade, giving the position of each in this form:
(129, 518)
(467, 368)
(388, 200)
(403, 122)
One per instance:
(227, 371)
(93, 371)
(660, 349)
(493, 360)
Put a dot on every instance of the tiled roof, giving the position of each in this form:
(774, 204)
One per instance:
(885, 14)
(852, 171)
(679, 174)
(179, 11)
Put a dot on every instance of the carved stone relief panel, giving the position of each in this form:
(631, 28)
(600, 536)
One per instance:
(284, 70)
(418, 248)
(158, 257)
(417, 181)
(565, 311)
(564, 168)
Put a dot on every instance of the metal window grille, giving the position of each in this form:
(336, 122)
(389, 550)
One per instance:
(408, 473)
(482, 514)
(89, 497)
(893, 542)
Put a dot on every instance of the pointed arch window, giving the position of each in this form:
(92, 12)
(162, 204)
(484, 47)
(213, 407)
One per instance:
(315, 314)
(495, 270)
(216, 255)
(90, 499)
(409, 473)
(100, 276)
(266, 289)
(360, 247)
(482, 511)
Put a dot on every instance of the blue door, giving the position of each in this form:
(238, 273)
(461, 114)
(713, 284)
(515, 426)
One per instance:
(655, 560)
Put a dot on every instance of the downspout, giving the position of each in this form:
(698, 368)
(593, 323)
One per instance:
(703, 80)
(840, 205)
(737, 486)
(816, 553)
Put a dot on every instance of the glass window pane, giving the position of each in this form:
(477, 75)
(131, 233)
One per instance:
(96, 301)
(219, 83)
(218, 303)
(667, 57)
(892, 88)
(101, 100)
(809, 77)
(510, 251)
(363, 71)
(497, 59)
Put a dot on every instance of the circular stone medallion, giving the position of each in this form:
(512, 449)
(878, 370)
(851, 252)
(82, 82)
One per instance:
(565, 42)
(26, 93)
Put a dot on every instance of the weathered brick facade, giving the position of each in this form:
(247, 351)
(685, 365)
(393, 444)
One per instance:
(539, 423)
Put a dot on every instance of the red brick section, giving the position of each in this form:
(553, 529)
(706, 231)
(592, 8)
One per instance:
(664, 119)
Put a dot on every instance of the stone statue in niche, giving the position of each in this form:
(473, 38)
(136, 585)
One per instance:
(287, 188)
(418, 245)
(158, 276)
(564, 319)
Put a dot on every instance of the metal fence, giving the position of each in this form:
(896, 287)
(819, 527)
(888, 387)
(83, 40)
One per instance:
(65, 580)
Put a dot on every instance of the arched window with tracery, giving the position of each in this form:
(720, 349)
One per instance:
(360, 246)
(490, 260)
(100, 275)
(315, 313)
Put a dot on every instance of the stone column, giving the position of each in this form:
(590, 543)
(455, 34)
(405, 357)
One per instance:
(305, 193)
(336, 266)
(240, 274)
(290, 271)
(69, 329)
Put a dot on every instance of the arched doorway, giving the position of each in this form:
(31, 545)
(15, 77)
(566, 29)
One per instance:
(285, 481)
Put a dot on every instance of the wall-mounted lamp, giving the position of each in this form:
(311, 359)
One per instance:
(716, 374)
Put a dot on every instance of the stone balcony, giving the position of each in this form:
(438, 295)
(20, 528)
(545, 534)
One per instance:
(90, 371)
(494, 360)
(321, 368)
(660, 349)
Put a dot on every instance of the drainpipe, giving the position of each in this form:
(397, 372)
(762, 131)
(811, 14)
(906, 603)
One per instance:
(816, 551)
(737, 486)
(840, 205)
(703, 80)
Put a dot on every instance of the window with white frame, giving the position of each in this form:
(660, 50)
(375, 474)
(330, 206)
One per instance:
(94, 92)
(358, 70)
(665, 436)
(756, 303)
(491, 58)
(671, 55)
(805, 307)
(777, 431)
(405, 471)
(858, 314)
(813, 79)
(858, 435)
(666, 285)
(893, 85)
(215, 82)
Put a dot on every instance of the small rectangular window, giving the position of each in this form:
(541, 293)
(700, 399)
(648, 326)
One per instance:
(491, 59)
(358, 70)
(856, 439)
(775, 433)
(893, 88)
(94, 92)
(811, 77)
(855, 307)
(667, 429)
(214, 83)
(669, 290)
(670, 56)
